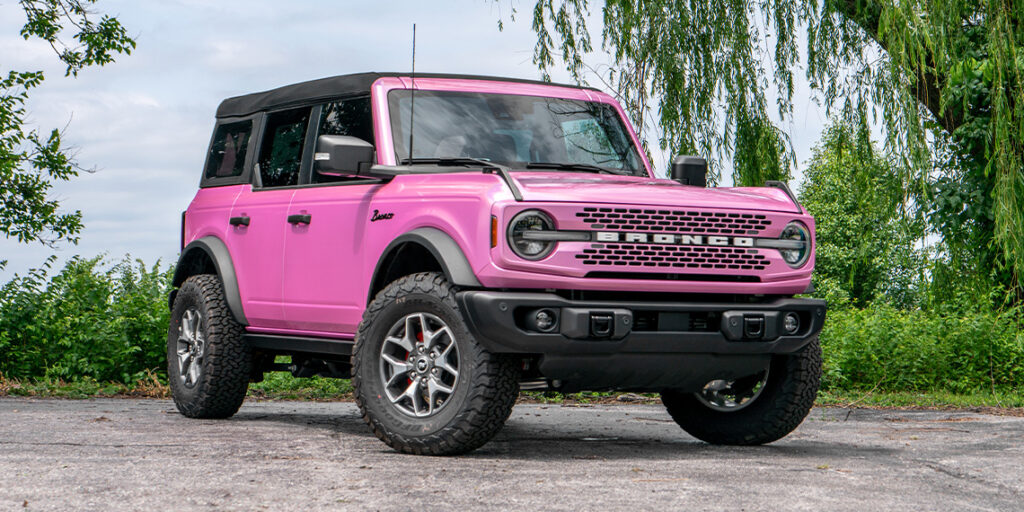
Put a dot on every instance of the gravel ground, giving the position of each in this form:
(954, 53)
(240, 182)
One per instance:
(114, 455)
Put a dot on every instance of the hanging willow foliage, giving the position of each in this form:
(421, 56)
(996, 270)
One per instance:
(944, 77)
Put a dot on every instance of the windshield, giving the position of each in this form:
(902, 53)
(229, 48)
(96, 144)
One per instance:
(512, 130)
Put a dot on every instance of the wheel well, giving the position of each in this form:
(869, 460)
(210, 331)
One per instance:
(194, 262)
(407, 258)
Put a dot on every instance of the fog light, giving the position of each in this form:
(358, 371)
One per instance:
(541, 320)
(545, 320)
(791, 323)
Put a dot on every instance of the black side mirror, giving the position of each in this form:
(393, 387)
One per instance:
(690, 170)
(338, 155)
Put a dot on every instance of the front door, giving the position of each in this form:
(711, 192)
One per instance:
(330, 214)
(322, 260)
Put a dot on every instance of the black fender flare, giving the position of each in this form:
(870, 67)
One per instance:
(445, 250)
(217, 252)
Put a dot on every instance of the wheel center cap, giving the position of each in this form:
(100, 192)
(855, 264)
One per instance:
(422, 365)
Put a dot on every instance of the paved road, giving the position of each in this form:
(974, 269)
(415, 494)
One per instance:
(141, 455)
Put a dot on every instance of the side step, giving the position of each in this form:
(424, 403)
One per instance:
(300, 344)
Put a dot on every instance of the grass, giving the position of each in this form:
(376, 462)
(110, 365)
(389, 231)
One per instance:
(282, 386)
(921, 399)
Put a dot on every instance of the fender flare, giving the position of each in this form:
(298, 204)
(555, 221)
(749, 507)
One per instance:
(218, 253)
(444, 249)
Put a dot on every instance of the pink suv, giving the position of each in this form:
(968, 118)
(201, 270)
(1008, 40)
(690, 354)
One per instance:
(445, 241)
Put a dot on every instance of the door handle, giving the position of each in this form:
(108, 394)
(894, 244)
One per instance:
(301, 218)
(239, 221)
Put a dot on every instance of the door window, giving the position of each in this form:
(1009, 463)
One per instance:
(281, 153)
(348, 117)
(352, 117)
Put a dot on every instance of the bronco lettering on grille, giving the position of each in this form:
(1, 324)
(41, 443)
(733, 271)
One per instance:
(671, 239)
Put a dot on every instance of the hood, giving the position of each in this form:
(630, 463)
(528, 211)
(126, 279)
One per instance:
(586, 188)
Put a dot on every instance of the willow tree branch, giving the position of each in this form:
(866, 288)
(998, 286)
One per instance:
(924, 82)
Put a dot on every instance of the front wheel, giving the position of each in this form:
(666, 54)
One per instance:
(208, 362)
(757, 409)
(422, 382)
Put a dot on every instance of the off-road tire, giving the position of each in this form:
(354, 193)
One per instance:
(481, 401)
(225, 366)
(787, 397)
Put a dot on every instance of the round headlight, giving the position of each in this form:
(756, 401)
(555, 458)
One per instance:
(530, 220)
(798, 232)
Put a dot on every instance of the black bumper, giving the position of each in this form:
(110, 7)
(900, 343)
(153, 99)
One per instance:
(646, 346)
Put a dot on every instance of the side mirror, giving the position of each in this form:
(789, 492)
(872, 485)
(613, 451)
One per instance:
(338, 155)
(690, 170)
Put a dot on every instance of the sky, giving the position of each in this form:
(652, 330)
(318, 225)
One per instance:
(144, 121)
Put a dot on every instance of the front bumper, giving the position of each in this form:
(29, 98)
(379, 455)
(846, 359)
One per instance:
(647, 346)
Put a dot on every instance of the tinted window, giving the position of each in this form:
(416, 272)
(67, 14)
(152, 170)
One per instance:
(227, 155)
(281, 151)
(349, 117)
(512, 130)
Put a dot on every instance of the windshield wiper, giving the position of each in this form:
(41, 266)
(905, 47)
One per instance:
(488, 167)
(562, 166)
(449, 161)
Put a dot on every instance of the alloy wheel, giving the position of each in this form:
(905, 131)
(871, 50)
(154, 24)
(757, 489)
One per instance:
(419, 364)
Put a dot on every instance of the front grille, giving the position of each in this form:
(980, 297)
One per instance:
(664, 276)
(671, 256)
(677, 221)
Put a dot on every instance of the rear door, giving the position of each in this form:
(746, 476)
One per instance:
(322, 260)
(260, 217)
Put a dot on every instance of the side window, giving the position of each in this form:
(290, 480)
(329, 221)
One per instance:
(227, 154)
(350, 117)
(281, 152)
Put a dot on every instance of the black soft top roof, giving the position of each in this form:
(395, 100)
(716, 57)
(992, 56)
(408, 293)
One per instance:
(333, 87)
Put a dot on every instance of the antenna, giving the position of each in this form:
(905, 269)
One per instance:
(412, 100)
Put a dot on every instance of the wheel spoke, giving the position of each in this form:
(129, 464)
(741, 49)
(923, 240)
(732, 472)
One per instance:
(429, 341)
(443, 364)
(442, 360)
(412, 393)
(401, 342)
(434, 386)
(411, 330)
(185, 331)
(193, 370)
(184, 362)
(732, 395)
(193, 325)
(399, 368)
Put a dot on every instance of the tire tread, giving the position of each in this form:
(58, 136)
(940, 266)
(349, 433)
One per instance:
(493, 389)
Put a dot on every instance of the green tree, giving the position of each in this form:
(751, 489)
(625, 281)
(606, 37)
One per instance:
(945, 75)
(30, 161)
(865, 249)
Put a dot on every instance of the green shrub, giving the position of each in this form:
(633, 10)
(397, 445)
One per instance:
(884, 348)
(108, 324)
(93, 321)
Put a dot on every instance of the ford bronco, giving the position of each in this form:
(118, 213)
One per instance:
(445, 241)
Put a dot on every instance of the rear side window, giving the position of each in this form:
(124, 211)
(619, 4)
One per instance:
(227, 154)
(281, 152)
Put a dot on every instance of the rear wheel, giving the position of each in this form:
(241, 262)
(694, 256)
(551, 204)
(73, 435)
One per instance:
(208, 363)
(422, 382)
(757, 409)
